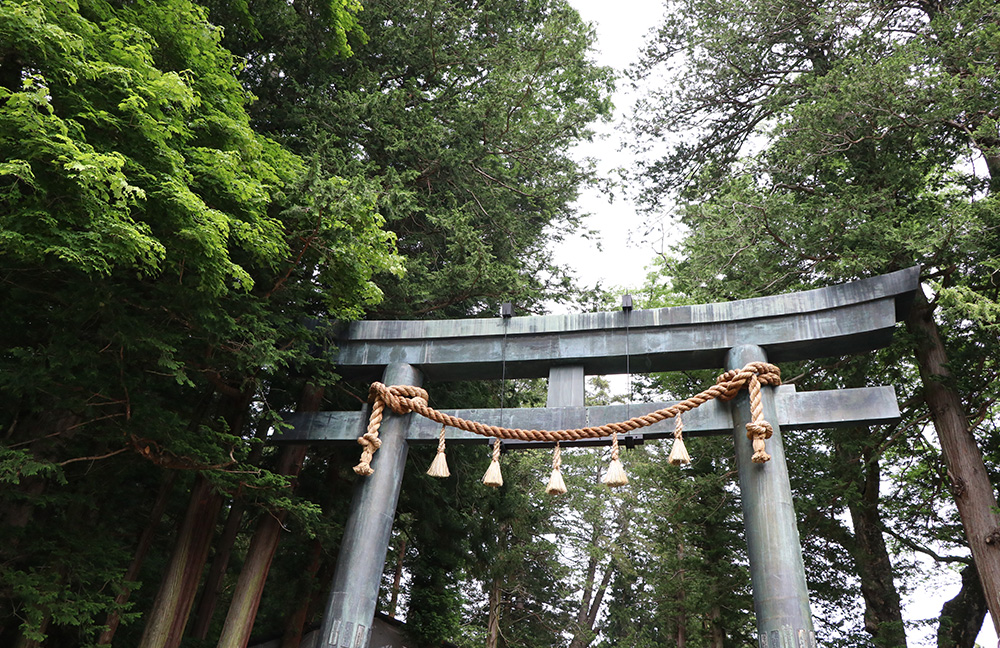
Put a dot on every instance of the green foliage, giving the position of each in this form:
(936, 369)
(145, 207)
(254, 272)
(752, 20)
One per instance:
(462, 113)
(161, 264)
(186, 209)
(843, 139)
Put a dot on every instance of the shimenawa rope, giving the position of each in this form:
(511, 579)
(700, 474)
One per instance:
(403, 399)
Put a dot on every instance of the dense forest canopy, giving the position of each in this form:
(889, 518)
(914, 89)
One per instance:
(192, 192)
(188, 189)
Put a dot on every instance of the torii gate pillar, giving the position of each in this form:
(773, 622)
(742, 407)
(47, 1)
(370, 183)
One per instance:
(780, 595)
(350, 608)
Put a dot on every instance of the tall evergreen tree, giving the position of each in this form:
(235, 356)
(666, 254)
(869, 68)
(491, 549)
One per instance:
(830, 141)
(462, 112)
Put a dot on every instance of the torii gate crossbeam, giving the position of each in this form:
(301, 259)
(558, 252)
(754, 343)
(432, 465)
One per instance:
(839, 320)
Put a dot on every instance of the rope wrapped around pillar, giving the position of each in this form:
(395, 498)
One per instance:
(401, 399)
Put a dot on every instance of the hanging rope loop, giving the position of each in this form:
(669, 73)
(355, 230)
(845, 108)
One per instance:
(403, 399)
(758, 430)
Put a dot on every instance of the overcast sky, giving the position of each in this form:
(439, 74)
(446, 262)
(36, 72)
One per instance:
(621, 262)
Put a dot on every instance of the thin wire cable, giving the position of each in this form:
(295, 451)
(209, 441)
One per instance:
(628, 368)
(503, 379)
(503, 371)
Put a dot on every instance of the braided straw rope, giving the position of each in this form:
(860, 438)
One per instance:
(758, 429)
(616, 471)
(439, 467)
(493, 477)
(403, 399)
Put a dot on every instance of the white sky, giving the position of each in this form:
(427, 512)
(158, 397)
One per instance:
(625, 253)
(623, 256)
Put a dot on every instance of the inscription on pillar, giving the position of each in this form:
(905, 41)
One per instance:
(786, 638)
(331, 639)
(360, 637)
(348, 627)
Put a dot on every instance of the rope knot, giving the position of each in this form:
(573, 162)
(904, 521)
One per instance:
(401, 399)
(759, 430)
(369, 439)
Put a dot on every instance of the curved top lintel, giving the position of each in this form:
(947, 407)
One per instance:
(836, 320)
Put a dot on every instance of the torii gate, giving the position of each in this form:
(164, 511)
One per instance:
(839, 320)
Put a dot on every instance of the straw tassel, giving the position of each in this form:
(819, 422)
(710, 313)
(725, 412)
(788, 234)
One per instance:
(616, 471)
(679, 454)
(556, 484)
(439, 467)
(493, 477)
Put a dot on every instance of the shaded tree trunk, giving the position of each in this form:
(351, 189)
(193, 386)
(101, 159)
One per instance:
(962, 617)
(970, 483)
(224, 549)
(593, 592)
(397, 577)
(493, 623)
(165, 622)
(310, 596)
(142, 548)
(250, 586)
(883, 607)
(44, 433)
(216, 573)
(306, 599)
(590, 605)
(717, 636)
(681, 618)
(24, 642)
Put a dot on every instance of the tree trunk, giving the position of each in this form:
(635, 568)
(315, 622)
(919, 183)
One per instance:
(493, 624)
(44, 434)
(971, 486)
(962, 617)
(593, 592)
(224, 549)
(321, 567)
(397, 577)
(144, 544)
(581, 637)
(216, 573)
(590, 605)
(165, 622)
(717, 636)
(250, 586)
(296, 622)
(883, 608)
(24, 642)
(681, 617)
